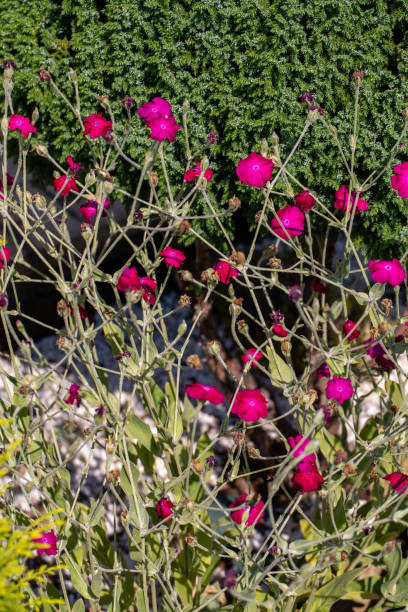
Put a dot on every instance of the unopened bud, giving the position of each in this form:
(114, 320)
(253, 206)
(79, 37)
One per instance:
(41, 150)
(104, 100)
(242, 326)
(214, 347)
(234, 203)
(154, 177)
(108, 187)
(185, 275)
(184, 227)
(73, 75)
(274, 139)
(286, 347)
(90, 178)
(4, 125)
(383, 327)
(204, 164)
(237, 257)
(188, 503)
(264, 147)
(186, 106)
(86, 231)
(358, 76)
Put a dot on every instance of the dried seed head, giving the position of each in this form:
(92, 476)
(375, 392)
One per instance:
(63, 343)
(62, 308)
(190, 539)
(214, 347)
(110, 446)
(154, 177)
(240, 438)
(258, 216)
(188, 503)
(254, 452)
(113, 477)
(358, 76)
(193, 361)
(386, 306)
(395, 408)
(238, 257)
(234, 203)
(197, 466)
(275, 263)
(39, 201)
(344, 555)
(185, 300)
(332, 405)
(383, 327)
(185, 275)
(242, 326)
(349, 469)
(309, 397)
(44, 75)
(184, 227)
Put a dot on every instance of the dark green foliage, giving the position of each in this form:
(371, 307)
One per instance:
(243, 65)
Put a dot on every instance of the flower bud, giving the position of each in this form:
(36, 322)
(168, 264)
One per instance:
(35, 115)
(204, 164)
(264, 147)
(63, 343)
(186, 106)
(197, 466)
(214, 347)
(110, 446)
(90, 178)
(185, 275)
(193, 361)
(242, 326)
(108, 187)
(3, 300)
(41, 150)
(86, 231)
(358, 76)
(4, 125)
(9, 69)
(104, 100)
(127, 102)
(73, 75)
(274, 139)
(39, 201)
(212, 137)
(286, 347)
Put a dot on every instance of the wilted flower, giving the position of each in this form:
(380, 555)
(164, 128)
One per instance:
(280, 331)
(319, 109)
(18, 122)
(377, 353)
(256, 512)
(249, 405)
(292, 219)
(212, 137)
(210, 461)
(229, 580)
(305, 200)
(307, 96)
(74, 168)
(318, 286)
(73, 396)
(44, 75)
(193, 173)
(127, 101)
(308, 478)
(205, 393)
(50, 540)
(342, 198)
(295, 292)
(3, 300)
(323, 371)
(96, 125)
(255, 170)
(89, 211)
(277, 316)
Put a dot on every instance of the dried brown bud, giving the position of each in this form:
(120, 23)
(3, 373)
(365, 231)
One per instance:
(374, 333)
(188, 503)
(386, 306)
(113, 477)
(253, 452)
(40, 150)
(154, 177)
(344, 555)
(62, 308)
(394, 407)
(383, 327)
(309, 397)
(293, 399)
(242, 326)
(62, 343)
(240, 438)
(87, 432)
(25, 390)
(332, 405)
(358, 76)
(340, 456)
(274, 262)
(44, 75)
(197, 466)
(185, 300)
(234, 203)
(238, 257)
(286, 347)
(258, 216)
(392, 442)
(190, 539)
(124, 516)
(184, 227)
(185, 275)
(193, 361)
(349, 469)
(69, 426)
(39, 201)
(104, 100)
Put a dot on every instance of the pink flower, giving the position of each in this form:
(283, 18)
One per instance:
(155, 109)
(305, 200)
(74, 168)
(172, 257)
(255, 512)
(387, 271)
(323, 371)
(96, 125)
(280, 331)
(18, 122)
(164, 509)
(4, 256)
(377, 353)
(300, 452)
(342, 197)
(399, 180)
(399, 481)
(90, 210)
(205, 393)
(255, 170)
(308, 478)
(225, 272)
(252, 353)
(164, 127)
(250, 405)
(350, 326)
(340, 389)
(73, 396)
(292, 219)
(50, 540)
(191, 174)
(130, 281)
(69, 183)
(318, 286)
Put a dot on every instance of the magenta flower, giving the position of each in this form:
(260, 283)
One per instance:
(300, 452)
(255, 170)
(399, 481)
(342, 197)
(172, 257)
(63, 184)
(9, 180)
(340, 389)
(155, 109)
(350, 330)
(163, 128)
(399, 180)
(164, 509)
(18, 122)
(387, 271)
(96, 125)
(4, 256)
(252, 353)
(74, 168)
(305, 201)
(308, 478)
(50, 540)
(323, 371)
(255, 512)
(225, 272)
(292, 219)
(192, 173)
(318, 286)
(205, 393)
(90, 210)
(250, 405)
(280, 331)
(73, 396)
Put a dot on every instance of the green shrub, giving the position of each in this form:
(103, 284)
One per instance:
(242, 65)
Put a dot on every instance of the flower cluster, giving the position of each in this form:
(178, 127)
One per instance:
(306, 477)
(96, 125)
(129, 280)
(158, 117)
